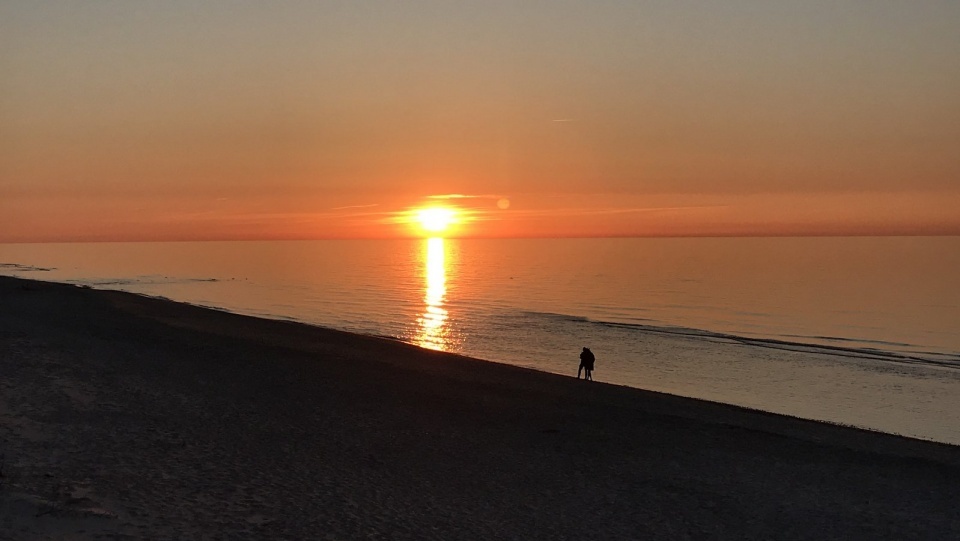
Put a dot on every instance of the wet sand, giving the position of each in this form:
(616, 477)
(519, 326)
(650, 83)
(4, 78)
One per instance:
(128, 417)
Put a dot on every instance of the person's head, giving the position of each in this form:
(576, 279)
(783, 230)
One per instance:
(586, 349)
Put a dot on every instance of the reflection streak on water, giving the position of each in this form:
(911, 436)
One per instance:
(431, 328)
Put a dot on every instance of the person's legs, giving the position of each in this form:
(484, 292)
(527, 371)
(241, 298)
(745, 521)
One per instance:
(579, 370)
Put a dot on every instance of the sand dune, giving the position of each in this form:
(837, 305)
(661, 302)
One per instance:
(128, 417)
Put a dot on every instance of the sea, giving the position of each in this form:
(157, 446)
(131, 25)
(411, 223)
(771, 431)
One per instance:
(860, 331)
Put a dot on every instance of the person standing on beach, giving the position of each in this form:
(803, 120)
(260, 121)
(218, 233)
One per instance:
(586, 364)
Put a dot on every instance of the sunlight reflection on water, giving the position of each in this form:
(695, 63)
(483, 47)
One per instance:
(431, 329)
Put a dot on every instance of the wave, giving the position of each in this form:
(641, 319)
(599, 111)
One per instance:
(915, 355)
(556, 316)
(138, 281)
(842, 339)
(17, 267)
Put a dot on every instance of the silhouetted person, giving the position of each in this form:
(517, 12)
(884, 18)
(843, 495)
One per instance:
(586, 364)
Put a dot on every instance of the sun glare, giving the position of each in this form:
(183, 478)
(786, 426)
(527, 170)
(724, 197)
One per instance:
(437, 219)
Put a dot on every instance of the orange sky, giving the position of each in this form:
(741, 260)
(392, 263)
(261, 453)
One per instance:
(129, 121)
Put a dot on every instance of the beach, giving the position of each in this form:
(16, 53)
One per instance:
(124, 416)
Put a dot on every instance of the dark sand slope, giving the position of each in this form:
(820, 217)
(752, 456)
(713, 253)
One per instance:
(126, 415)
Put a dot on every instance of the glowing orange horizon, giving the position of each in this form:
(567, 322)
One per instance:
(428, 220)
(528, 216)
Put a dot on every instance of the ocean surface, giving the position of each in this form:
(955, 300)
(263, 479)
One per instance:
(859, 331)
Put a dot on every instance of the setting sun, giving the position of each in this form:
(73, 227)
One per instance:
(436, 220)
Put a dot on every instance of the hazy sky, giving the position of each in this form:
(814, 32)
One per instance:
(310, 119)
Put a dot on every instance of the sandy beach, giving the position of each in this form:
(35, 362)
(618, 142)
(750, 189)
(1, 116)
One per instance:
(126, 417)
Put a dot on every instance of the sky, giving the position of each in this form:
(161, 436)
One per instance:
(208, 120)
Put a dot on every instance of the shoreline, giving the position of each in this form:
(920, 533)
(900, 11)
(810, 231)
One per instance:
(836, 398)
(771, 343)
(127, 414)
(826, 344)
(890, 346)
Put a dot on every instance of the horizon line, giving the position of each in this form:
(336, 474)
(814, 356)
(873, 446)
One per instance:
(482, 237)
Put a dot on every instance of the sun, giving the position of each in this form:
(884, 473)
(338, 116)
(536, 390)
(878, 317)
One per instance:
(436, 219)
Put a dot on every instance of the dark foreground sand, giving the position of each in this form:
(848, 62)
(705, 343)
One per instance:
(127, 417)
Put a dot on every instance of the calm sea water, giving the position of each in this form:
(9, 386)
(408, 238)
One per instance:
(862, 331)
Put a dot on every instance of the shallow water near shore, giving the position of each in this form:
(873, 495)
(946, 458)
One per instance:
(858, 331)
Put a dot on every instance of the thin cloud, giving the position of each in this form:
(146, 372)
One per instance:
(563, 120)
(356, 206)
(279, 216)
(534, 213)
(465, 196)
